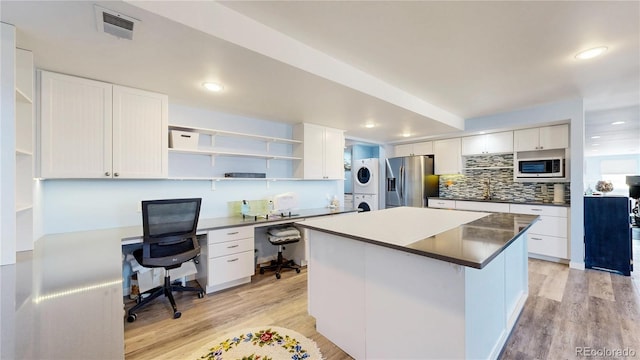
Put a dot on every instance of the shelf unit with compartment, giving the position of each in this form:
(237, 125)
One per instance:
(24, 125)
(221, 147)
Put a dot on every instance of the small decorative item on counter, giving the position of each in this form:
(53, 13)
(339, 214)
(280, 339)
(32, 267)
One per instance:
(334, 203)
(588, 192)
(245, 208)
(604, 186)
(270, 207)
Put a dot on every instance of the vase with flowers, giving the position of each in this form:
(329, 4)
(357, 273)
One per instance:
(604, 186)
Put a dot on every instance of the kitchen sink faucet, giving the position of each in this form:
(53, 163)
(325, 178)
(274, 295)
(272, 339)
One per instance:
(486, 195)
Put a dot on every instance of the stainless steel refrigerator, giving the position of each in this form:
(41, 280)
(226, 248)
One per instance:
(410, 181)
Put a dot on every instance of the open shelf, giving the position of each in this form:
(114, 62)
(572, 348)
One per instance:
(236, 154)
(214, 132)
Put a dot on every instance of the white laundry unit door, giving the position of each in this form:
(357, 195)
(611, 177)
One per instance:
(365, 202)
(365, 176)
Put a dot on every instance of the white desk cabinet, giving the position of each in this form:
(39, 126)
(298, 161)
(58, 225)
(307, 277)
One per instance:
(92, 129)
(543, 138)
(321, 150)
(226, 258)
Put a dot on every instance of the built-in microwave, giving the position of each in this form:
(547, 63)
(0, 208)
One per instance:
(540, 168)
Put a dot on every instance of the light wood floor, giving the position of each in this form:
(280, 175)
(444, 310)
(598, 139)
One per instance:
(566, 309)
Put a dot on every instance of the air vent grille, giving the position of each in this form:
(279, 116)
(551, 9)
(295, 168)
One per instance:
(114, 23)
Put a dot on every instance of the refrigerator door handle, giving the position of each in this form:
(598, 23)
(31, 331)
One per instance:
(401, 185)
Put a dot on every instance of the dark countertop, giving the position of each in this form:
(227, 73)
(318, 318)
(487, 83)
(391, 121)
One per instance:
(465, 238)
(504, 201)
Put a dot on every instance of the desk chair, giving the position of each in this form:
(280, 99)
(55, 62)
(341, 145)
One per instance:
(169, 240)
(281, 236)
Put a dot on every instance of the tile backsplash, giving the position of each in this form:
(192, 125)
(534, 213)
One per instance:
(495, 171)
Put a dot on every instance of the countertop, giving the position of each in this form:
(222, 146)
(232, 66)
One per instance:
(504, 201)
(133, 234)
(467, 238)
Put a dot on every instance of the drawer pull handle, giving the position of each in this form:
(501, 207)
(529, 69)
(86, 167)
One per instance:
(232, 233)
(232, 246)
(232, 260)
(536, 209)
(535, 238)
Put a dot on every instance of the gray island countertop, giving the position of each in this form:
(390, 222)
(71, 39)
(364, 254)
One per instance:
(467, 238)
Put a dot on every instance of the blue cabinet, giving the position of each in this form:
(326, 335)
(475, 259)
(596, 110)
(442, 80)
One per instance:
(607, 234)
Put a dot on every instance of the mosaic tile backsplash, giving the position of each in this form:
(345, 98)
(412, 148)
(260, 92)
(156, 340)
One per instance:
(495, 172)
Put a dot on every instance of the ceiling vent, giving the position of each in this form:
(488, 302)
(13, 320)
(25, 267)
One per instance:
(114, 23)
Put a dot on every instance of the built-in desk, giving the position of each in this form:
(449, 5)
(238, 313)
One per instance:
(227, 256)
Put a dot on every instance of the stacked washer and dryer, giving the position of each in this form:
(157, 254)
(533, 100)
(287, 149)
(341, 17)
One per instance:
(365, 184)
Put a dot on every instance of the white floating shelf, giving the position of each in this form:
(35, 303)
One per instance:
(22, 97)
(23, 207)
(23, 152)
(235, 154)
(214, 132)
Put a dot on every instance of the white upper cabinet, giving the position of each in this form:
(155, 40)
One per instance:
(447, 154)
(140, 139)
(321, 150)
(421, 148)
(495, 143)
(91, 129)
(543, 138)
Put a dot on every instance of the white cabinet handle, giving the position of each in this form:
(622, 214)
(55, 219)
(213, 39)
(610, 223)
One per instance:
(535, 238)
(536, 209)
(232, 233)
(232, 260)
(116, 174)
(107, 174)
(232, 246)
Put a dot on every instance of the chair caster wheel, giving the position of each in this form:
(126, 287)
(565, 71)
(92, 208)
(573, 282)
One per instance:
(200, 294)
(298, 271)
(132, 317)
(277, 276)
(261, 271)
(177, 314)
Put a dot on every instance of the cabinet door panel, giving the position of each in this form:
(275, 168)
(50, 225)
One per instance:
(140, 125)
(551, 226)
(423, 148)
(231, 267)
(447, 156)
(403, 150)
(473, 145)
(526, 140)
(501, 142)
(547, 245)
(333, 154)
(554, 137)
(75, 127)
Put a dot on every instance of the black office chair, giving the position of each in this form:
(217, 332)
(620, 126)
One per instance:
(281, 236)
(169, 241)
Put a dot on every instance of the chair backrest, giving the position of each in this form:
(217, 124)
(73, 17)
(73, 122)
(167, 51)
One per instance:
(169, 228)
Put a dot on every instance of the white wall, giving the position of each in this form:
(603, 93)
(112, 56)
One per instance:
(606, 167)
(74, 205)
(572, 111)
(7, 145)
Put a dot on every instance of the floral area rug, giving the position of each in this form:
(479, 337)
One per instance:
(261, 343)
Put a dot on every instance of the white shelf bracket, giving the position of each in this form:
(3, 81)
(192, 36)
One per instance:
(268, 145)
(267, 163)
(213, 140)
(213, 160)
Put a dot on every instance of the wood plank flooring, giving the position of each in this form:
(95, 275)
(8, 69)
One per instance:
(566, 309)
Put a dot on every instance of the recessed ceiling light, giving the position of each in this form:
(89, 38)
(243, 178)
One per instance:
(595, 137)
(482, 132)
(591, 53)
(617, 123)
(369, 125)
(406, 134)
(211, 86)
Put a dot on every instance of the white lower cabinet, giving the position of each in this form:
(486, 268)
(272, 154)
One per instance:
(549, 236)
(482, 206)
(442, 204)
(226, 258)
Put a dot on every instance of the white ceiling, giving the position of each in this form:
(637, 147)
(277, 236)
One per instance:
(419, 67)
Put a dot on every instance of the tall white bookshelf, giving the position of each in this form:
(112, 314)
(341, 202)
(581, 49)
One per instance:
(24, 126)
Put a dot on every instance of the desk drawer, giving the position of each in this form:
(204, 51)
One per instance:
(230, 247)
(442, 204)
(231, 267)
(235, 233)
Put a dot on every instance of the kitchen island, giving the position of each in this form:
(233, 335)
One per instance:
(409, 283)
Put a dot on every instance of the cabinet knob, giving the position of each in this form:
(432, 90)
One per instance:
(107, 173)
(116, 174)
